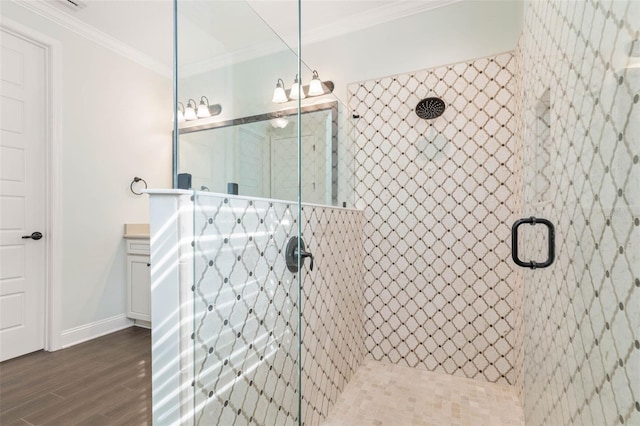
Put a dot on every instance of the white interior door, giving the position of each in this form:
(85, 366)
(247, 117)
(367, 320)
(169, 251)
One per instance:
(22, 196)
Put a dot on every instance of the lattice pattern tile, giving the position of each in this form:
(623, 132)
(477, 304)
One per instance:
(438, 206)
(333, 306)
(246, 310)
(582, 315)
(246, 316)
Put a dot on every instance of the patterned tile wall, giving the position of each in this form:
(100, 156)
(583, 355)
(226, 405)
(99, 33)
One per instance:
(246, 315)
(438, 202)
(582, 315)
(246, 310)
(332, 307)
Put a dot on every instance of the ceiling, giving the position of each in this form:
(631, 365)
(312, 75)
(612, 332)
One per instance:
(225, 30)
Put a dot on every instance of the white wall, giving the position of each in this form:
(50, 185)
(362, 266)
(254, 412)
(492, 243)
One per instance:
(116, 124)
(454, 33)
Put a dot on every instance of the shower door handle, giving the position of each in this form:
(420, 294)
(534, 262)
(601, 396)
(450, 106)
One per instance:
(514, 242)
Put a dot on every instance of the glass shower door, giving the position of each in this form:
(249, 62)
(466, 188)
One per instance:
(580, 125)
(242, 352)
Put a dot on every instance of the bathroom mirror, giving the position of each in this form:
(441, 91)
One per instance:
(259, 153)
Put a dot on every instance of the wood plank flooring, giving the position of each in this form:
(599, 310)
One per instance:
(106, 381)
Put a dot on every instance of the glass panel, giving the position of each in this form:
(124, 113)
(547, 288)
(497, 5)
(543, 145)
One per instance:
(580, 77)
(245, 312)
(437, 199)
(326, 144)
(245, 356)
(231, 57)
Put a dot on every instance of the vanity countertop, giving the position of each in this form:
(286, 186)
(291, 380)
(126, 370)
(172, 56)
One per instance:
(136, 230)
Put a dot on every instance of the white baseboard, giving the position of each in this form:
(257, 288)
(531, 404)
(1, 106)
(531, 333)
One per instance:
(85, 332)
(142, 324)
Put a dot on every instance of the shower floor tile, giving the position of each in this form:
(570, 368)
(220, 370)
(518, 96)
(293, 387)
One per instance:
(393, 395)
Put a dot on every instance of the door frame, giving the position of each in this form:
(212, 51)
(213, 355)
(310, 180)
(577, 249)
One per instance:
(53, 187)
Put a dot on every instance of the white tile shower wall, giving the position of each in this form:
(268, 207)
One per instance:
(582, 315)
(332, 307)
(246, 310)
(438, 201)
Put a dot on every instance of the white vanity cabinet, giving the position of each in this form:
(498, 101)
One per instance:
(138, 279)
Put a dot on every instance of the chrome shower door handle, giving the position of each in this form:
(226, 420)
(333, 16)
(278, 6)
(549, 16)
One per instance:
(291, 254)
(551, 240)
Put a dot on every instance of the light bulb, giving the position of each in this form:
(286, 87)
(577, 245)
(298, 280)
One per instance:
(279, 95)
(189, 111)
(203, 108)
(279, 123)
(297, 92)
(315, 87)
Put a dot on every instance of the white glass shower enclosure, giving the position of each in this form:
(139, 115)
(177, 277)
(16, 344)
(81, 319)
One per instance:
(408, 221)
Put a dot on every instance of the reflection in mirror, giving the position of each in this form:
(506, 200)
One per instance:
(260, 154)
(239, 70)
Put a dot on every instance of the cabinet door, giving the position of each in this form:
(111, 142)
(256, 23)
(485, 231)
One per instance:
(139, 288)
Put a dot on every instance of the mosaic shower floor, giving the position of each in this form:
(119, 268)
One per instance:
(393, 395)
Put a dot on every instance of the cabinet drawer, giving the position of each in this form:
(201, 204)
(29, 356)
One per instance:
(135, 246)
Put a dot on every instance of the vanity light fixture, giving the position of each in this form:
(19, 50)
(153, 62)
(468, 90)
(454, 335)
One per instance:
(279, 95)
(297, 91)
(180, 112)
(193, 111)
(190, 111)
(203, 108)
(315, 87)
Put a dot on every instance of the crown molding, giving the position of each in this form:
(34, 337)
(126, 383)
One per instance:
(91, 33)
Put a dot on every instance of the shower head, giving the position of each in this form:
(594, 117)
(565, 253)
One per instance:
(430, 108)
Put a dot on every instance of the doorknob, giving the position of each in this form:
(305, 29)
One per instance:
(34, 236)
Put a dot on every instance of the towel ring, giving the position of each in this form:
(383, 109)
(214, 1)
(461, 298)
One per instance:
(136, 180)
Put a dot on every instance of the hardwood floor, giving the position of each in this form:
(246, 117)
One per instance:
(106, 381)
